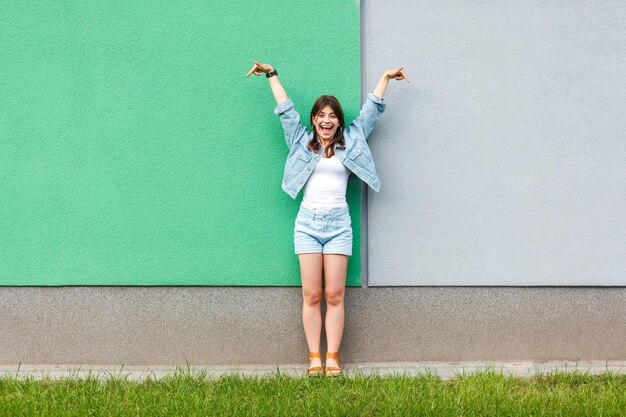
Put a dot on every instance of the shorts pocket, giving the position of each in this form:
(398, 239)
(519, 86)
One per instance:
(302, 221)
(343, 221)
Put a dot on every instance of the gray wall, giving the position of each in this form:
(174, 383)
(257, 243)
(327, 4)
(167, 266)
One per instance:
(503, 162)
(262, 325)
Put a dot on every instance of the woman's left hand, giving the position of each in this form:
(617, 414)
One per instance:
(397, 73)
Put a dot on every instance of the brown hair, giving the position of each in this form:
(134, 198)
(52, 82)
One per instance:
(315, 144)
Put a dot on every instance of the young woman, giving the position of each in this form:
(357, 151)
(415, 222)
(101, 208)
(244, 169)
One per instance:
(321, 162)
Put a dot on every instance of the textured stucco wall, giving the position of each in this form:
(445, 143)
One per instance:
(135, 152)
(503, 162)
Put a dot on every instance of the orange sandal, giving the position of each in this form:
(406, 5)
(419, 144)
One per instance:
(315, 370)
(333, 370)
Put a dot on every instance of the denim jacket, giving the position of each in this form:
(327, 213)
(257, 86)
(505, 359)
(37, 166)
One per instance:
(357, 156)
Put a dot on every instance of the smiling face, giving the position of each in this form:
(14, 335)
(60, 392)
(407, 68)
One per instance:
(326, 123)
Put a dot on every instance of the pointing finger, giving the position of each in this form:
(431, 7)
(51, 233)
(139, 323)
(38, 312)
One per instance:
(251, 71)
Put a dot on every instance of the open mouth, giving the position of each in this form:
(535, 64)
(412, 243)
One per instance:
(326, 130)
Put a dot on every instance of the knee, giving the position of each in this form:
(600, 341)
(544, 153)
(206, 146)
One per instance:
(334, 297)
(312, 297)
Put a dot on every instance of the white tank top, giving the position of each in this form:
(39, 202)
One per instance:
(326, 187)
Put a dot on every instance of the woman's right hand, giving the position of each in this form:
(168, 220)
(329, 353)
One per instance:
(258, 69)
(277, 89)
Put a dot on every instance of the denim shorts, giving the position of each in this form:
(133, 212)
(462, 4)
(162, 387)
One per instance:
(323, 231)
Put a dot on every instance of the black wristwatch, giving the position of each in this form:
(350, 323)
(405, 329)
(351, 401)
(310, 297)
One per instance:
(271, 73)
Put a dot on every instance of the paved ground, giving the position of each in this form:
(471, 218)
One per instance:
(445, 370)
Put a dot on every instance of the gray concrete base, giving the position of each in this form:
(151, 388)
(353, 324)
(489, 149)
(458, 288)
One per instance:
(244, 326)
(440, 369)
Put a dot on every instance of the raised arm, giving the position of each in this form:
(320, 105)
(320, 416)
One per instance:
(277, 89)
(289, 117)
(382, 85)
(374, 104)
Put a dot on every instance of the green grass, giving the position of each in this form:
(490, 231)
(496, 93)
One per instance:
(486, 393)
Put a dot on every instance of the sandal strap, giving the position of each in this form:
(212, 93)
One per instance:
(315, 355)
(315, 368)
(333, 371)
(335, 356)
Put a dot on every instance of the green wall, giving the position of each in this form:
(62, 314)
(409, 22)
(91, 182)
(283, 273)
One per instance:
(133, 151)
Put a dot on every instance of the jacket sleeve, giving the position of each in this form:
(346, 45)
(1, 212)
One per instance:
(290, 120)
(370, 112)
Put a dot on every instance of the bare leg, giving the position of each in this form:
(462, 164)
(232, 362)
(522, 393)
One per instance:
(335, 269)
(311, 274)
